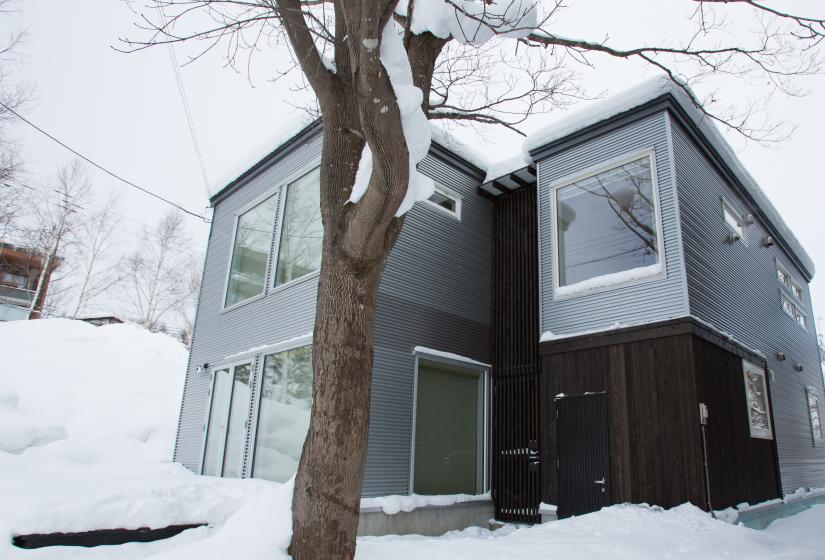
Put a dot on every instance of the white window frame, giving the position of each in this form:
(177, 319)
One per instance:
(451, 194)
(794, 285)
(650, 153)
(811, 399)
(795, 312)
(469, 364)
(272, 271)
(740, 230)
(231, 367)
(277, 348)
(243, 210)
(754, 368)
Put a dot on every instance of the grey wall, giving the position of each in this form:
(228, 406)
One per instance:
(435, 293)
(734, 287)
(642, 302)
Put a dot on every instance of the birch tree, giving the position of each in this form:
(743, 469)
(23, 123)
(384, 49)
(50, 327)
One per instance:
(379, 70)
(157, 273)
(96, 240)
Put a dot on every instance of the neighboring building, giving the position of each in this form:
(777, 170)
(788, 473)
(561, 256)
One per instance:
(20, 269)
(574, 329)
(101, 320)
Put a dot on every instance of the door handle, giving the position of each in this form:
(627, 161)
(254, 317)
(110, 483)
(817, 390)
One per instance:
(599, 481)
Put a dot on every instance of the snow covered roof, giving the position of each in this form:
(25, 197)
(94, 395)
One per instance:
(650, 90)
(296, 129)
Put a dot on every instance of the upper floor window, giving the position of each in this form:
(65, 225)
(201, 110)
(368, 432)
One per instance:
(733, 220)
(787, 280)
(302, 232)
(250, 252)
(791, 306)
(607, 226)
(446, 200)
(14, 280)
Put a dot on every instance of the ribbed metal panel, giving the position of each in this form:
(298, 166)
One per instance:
(734, 287)
(435, 293)
(631, 304)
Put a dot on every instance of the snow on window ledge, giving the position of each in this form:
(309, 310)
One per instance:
(608, 280)
(391, 505)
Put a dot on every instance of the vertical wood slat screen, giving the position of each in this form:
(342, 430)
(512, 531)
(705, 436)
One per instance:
(515, 383)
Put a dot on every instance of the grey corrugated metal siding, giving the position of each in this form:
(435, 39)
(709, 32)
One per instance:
(734, 287)
(631, 304)
(435, 293)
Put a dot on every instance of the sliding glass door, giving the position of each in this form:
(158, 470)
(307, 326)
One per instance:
(228, 413)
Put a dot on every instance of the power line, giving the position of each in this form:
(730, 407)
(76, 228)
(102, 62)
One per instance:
(97, 165)
(185, 101)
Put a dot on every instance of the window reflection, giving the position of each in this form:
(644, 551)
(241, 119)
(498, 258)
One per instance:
(299, 252)
(283, 417)
(250, 252)
(607, 223)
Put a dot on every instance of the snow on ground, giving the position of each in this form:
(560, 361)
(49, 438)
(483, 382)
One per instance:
(87, 427)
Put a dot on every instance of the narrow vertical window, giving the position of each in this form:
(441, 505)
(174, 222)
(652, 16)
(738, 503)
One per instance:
(756, 398)
(302, 232)
(733, 220)
(283, 413)
(250, 253)
(813, 414)
(216, 428)
(236, 426)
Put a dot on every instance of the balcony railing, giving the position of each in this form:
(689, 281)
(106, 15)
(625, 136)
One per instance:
(16, 296)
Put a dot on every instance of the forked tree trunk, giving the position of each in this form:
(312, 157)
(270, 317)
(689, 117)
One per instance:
(328, 484)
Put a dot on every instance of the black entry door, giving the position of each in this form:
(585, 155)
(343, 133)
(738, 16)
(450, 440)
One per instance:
(583, 454)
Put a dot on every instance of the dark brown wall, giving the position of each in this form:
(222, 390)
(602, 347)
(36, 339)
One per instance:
(655, 377)
(742, 468)
(654, 439)
(515, 332)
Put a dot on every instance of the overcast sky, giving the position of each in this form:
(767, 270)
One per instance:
(124, 110)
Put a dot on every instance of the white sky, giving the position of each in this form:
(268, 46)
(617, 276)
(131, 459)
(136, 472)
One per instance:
(124, 111)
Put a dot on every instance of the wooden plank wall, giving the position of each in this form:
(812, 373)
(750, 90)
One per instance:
(515, 334)
(742, 468)
(655, 454)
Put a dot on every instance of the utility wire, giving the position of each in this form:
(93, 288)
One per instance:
(187, 111)
(97, 165)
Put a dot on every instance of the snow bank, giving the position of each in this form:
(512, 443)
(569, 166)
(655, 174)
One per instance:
(607, 280)
(98, 394)
(642, 93)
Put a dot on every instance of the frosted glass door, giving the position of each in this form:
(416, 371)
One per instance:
(216, 429)
(236, 429)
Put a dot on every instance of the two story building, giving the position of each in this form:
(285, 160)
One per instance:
(620, 315)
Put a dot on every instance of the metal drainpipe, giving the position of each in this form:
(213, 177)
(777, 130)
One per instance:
(703, 421)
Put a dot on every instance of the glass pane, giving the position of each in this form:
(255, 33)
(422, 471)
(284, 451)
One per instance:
(757, 400)
(236, 431)
(443, 200)
(607, 223)
(250, 253)
(449, 431)
(816, 425)
(216, 430)
(733, 221)
(302, 231)
(283, 417)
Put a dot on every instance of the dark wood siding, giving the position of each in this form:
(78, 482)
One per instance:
(741, 467)
(515, 377)
(655, 378)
